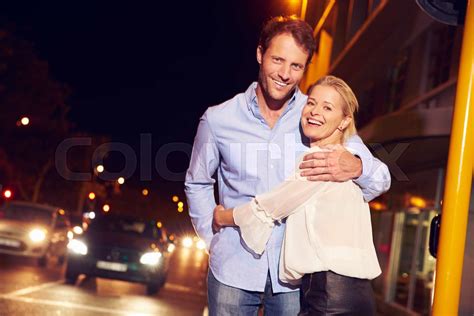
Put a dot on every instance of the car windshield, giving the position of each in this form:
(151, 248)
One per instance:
(27, 213)
(126, 226)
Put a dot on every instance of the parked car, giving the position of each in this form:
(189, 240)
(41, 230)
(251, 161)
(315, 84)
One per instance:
(122, 248)
(33, 230)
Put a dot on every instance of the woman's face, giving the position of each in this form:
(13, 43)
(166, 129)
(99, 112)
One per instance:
(322, 115)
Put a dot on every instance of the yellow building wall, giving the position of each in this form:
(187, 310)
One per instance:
(320, 62)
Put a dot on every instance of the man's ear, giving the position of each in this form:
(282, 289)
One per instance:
(259, 54)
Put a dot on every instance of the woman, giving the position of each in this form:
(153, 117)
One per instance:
(328, 244)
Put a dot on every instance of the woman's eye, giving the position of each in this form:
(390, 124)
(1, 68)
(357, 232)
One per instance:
(327, 108)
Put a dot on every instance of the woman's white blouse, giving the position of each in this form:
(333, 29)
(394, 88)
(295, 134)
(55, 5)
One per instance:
(328, 227)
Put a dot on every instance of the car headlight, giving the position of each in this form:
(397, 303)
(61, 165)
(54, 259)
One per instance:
(150, 258)
(171, 247)
(77, 230)
(201, 244)
(187, 242)
(77, 246)
(37, 235)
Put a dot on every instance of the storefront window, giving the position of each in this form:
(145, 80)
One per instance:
(382, 227)
(416, 267)
(401, 235)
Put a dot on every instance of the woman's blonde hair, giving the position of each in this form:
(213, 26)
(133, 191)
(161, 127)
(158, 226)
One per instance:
(350, 107)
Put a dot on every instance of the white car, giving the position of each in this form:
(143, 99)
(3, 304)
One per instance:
(33, 230)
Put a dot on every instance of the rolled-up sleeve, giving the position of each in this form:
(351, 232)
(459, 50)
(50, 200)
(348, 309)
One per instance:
(199, 184)
(375, 178)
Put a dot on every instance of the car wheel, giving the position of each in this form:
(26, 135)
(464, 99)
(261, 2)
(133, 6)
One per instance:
(71, 277)
(152, 288)
(43, 261)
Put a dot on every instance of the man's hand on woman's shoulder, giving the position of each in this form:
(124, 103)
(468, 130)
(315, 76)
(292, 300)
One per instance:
(336, 164)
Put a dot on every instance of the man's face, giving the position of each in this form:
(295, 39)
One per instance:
(281, 67)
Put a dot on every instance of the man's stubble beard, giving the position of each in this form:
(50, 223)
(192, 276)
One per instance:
(264, 88)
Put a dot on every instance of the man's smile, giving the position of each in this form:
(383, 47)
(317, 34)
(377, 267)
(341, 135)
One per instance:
(280, 84)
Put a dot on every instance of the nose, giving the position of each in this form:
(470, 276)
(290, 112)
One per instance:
(314, 111)
(284, 72)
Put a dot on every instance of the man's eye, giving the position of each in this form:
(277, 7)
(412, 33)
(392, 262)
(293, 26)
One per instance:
(298, 67)
(276, 59)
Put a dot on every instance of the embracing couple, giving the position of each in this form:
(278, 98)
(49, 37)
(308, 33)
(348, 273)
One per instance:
(292, 230)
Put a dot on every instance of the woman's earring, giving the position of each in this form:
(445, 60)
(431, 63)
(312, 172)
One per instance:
(339, 129)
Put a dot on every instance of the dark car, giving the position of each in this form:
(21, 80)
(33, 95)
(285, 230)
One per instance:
(122, 248)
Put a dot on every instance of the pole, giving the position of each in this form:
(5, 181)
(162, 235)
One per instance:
(458, 182)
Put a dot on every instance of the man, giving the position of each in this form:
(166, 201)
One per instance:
(252, 141)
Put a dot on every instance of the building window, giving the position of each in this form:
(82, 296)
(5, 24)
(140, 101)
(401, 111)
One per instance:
(373, 4)
(367, 100)
(398, 75)
(314, 11)
(442, 42)
(357, 16)
(340, 27)
(402, 240)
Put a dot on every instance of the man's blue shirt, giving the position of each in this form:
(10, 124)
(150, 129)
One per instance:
(251, 158)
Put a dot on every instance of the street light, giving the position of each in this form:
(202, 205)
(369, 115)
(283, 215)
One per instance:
(24, 121)
(175, 198)
(180, 204)
(106, 208)
(145, 192)
(100, 168)
(121, 180)
(91, 196)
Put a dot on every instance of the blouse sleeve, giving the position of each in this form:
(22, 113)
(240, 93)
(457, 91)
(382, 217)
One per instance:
(256, 218)
(285, 199)
(255, 225)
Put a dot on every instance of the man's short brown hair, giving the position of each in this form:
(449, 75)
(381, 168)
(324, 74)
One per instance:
(301, 32)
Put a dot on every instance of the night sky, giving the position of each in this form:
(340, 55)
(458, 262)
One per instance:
(148, 67)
